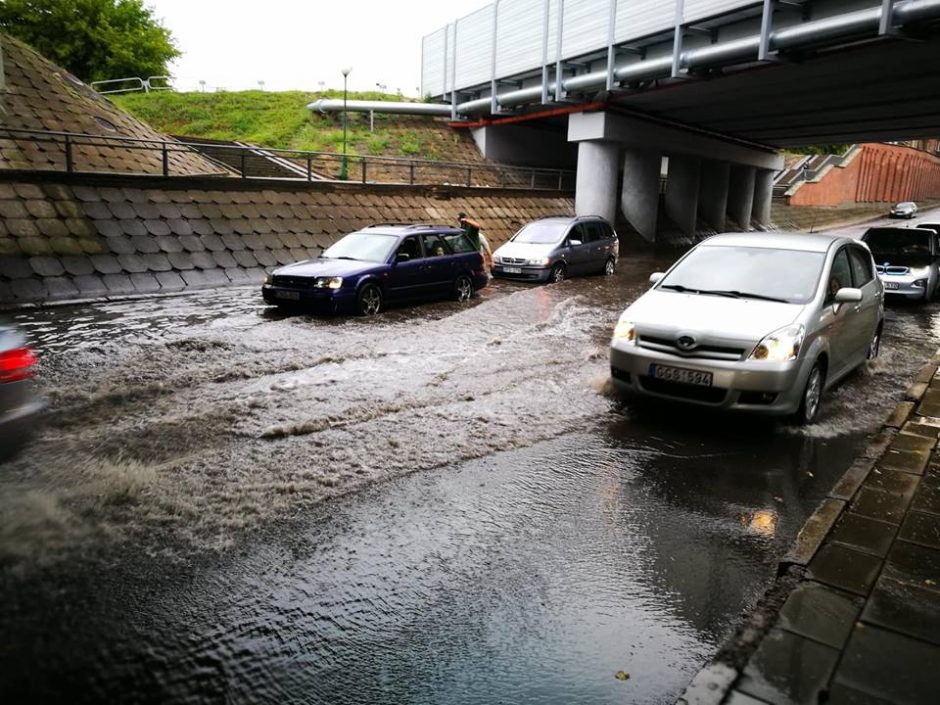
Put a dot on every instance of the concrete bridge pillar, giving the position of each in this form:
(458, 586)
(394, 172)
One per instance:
(682, 192)
(741, 195)
(763, 196)
(713, 193)
(596, 187)
(639, 198)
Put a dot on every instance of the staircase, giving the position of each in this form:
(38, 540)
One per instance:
(256, 162)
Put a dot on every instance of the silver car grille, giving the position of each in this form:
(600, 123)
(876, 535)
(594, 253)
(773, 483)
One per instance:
(701, 352)
(513, 260)
(892, 270)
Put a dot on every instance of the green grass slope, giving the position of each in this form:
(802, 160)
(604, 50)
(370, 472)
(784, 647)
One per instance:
(282, 121)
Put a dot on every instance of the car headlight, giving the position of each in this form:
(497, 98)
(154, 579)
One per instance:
(781, 345)
(329, 282)
(268, 278)
(540, 261)
(920, 272)
(625, 331)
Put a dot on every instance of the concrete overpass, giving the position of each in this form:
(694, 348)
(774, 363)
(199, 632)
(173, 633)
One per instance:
(717, 86)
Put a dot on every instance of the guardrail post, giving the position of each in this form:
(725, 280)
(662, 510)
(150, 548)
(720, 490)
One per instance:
(561, 176)
(69, 165)
(412, 172)
(532, 181)
(309, 167)
(363, 170)
(241, 162)
(166, 160)
(469, 176)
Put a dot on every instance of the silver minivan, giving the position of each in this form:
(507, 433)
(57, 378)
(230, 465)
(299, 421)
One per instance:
(552, 249)
(757, 322)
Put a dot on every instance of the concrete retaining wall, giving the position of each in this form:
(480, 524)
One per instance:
(116, 236)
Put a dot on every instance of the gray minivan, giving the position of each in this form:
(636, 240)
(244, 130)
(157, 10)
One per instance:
(551, 249)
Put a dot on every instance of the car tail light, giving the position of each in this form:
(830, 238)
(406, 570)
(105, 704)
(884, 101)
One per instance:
(18, 364)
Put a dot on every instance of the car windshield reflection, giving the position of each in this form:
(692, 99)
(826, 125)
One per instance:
(787, 276)
(365, 247)
(540, 233)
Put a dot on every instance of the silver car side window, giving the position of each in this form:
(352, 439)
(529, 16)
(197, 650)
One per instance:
(861, 267)
(840, 275)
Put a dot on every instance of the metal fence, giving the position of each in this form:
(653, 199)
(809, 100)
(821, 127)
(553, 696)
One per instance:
(79, 153)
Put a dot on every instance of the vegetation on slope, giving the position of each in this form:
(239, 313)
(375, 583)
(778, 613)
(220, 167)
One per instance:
(282, 121)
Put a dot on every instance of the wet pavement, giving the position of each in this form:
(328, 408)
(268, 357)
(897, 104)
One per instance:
(165, 538)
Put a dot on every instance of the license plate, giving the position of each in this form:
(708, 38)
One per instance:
(683, 376)
(512, 270)
(892, 285)
(287, 295)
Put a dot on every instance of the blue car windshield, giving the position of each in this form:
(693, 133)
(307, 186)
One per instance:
(540, 233)
(790, 276)
(368, 247)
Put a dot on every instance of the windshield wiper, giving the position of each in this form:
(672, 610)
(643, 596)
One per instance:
(344, 257)
(682, 289)
(735, 294)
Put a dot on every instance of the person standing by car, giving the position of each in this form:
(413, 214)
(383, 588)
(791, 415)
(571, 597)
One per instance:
(471, 229)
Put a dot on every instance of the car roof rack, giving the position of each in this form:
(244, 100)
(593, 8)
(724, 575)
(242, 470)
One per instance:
(414, 226)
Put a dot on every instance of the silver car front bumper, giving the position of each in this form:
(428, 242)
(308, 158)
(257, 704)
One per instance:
(903, 285)
(773, 388)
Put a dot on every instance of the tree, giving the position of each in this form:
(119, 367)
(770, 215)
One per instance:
(94, 39)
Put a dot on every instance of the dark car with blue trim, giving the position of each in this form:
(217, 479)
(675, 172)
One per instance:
(379, 265)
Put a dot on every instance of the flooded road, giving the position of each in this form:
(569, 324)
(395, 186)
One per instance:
(166, 538)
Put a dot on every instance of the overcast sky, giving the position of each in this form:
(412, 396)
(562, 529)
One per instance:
(296, 44)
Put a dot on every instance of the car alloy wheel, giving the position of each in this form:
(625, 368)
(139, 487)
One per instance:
(610, 266)
(463, 288)
(557, 274)
(369, 300)
(874, 347)
(812, 396)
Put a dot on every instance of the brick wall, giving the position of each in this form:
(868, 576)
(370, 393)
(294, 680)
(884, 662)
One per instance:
(91, 239)
(876, 173)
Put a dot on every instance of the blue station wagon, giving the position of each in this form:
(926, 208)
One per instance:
(381, 264)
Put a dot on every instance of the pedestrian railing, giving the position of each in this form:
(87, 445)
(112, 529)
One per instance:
(81, 153)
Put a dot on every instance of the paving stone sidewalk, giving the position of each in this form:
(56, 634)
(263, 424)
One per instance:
(862, 624)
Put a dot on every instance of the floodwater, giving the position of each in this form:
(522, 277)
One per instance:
(442, 505)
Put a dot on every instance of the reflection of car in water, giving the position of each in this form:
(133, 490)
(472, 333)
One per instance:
(379, 264)
(551, 249)
(907, 260)
(762, 323)
(905, 209)
(19, 405)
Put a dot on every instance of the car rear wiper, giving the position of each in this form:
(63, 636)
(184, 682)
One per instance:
(735, 294)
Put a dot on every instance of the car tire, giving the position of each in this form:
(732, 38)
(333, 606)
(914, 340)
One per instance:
(463, 288)
(557, 273)
(811, 399)
(874, 347)
(369, 300)
(610, 267)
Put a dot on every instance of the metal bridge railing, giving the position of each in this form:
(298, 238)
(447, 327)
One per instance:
(69, 152)
(133, 84)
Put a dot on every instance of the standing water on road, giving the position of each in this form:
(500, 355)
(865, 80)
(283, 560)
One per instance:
(166, 538)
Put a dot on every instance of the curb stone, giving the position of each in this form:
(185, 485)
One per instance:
(714, 682)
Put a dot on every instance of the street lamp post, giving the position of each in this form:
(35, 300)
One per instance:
(343, 168)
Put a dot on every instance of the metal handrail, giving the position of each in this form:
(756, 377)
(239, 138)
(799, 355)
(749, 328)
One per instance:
(524, 177)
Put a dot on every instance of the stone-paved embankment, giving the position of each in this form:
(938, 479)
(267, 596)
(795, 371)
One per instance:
(119, 236)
